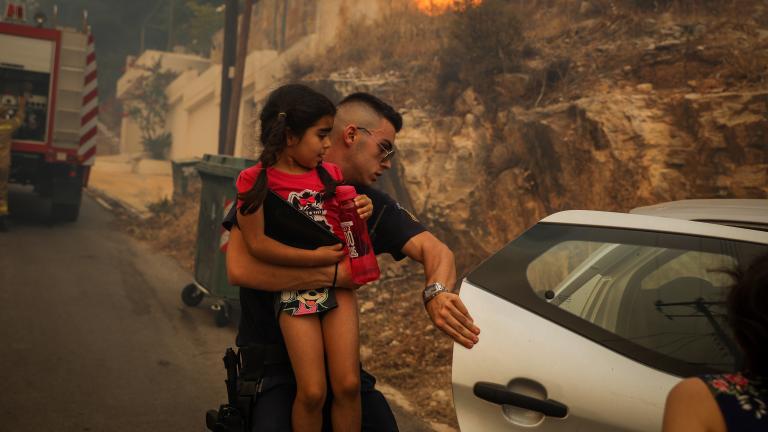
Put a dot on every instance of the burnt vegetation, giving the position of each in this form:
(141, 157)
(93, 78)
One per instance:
(536, 53)
(481, 43)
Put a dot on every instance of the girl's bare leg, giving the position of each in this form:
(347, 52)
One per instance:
(304, 342)
(342, 349)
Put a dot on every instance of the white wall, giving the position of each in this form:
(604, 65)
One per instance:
(130, 136)
(188, 66)
(202, 132)
(193, 117)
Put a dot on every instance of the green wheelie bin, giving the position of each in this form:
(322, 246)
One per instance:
(218, 194)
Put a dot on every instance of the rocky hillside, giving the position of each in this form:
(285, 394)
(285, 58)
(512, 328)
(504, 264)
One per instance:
(611, 151)
(612, 105)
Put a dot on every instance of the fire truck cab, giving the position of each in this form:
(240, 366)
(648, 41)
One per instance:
(55, 68)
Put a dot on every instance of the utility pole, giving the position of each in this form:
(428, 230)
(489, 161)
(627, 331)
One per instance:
(237, 83)
(227, 63)
(171, 4)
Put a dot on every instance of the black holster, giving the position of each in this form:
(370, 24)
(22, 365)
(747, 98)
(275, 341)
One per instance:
(245, 371)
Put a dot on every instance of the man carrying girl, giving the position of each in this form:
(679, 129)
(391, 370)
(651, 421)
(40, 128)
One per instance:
(295, 124)
(362, 144)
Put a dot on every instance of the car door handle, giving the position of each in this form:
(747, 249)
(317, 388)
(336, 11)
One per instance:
(499, 394)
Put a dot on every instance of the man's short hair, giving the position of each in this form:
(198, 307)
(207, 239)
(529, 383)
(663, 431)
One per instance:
(382, 108)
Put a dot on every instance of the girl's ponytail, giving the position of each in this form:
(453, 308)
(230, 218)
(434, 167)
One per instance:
(329, 184)
(274, 142)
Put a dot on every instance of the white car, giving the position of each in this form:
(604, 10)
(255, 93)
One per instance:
(589, 318)
(744, 213)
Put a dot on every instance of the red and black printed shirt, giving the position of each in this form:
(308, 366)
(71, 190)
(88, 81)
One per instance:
(303, 191)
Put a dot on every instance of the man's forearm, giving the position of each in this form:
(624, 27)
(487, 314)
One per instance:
(438, 261)
(247, 271)
(440, 265)
(446, 309)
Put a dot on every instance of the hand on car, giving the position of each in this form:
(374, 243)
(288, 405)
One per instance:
(450, 315)
(364, 206)
(327, 255)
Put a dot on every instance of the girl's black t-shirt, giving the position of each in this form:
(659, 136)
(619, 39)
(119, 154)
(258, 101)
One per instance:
(390, 227)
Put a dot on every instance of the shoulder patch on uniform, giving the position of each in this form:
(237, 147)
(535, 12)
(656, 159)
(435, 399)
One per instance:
(407, 212)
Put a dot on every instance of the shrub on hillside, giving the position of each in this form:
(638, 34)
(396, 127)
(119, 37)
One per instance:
(483, 41)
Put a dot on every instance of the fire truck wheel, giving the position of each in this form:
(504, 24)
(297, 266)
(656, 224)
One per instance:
(191, 295)
(221, 318)
(65, 212)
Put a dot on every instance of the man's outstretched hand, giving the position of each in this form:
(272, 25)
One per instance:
(450, 315)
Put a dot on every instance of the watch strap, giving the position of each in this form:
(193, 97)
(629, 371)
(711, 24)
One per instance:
(431, 291)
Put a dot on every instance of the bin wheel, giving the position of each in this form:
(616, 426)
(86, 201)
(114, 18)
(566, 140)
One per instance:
(221, 317)
(191, 295)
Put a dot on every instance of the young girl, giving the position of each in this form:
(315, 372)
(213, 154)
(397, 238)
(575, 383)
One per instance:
(316, 324)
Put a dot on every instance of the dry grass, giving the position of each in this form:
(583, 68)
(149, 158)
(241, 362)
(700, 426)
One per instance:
(403, 40)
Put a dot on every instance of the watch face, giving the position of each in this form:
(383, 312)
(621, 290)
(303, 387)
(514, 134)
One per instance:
(431, 290)
(427, 292)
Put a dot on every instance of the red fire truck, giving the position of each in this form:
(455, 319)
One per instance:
(56, 67)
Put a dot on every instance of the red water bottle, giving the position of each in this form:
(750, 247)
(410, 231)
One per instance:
(362, 259)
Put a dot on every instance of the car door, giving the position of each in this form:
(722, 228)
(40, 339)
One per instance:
(589, 318)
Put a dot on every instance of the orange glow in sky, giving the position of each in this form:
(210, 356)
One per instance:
(437, 7)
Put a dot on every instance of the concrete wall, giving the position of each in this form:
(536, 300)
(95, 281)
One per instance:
(194, 104)
(130, 136)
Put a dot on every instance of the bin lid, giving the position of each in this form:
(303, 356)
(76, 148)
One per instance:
(185, 161)
(223, 165)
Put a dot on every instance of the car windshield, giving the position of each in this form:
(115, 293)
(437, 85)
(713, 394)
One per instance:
(660, 292)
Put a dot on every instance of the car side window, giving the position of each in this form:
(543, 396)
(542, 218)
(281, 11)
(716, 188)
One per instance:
(667, 300)
(561, 265)
(585, 278)
(676, 307)
(654, 297)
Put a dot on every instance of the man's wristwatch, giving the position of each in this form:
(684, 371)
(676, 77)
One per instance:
(431, 291)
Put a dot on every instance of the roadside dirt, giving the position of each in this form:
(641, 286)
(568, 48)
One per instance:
(171, 227)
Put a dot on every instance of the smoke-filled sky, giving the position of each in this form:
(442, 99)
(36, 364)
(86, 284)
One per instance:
(117, 28)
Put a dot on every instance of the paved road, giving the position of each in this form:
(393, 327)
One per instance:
(93, 334)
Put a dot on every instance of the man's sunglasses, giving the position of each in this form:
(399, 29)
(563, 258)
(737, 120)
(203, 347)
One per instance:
(388, 152)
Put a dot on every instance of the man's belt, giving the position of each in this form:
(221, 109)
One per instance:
(264, 359)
